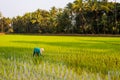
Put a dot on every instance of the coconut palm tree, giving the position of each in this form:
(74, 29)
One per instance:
(79, 10)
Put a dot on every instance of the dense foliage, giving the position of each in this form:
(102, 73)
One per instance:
(84, 17)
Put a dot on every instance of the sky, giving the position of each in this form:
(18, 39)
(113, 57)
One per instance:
(12, 8)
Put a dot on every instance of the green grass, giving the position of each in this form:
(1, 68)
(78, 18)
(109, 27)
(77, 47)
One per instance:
(65, 58)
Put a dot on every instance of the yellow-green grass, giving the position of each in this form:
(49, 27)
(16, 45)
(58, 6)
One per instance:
(65, 58)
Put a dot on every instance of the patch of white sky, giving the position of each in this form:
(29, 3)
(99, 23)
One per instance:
(12, 8)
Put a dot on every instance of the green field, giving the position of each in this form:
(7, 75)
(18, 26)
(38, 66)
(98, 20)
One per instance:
(65, 58)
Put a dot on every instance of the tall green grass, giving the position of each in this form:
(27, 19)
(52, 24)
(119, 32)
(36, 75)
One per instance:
(65, 58)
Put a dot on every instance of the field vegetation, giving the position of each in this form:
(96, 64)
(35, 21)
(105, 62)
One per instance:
(65, 58)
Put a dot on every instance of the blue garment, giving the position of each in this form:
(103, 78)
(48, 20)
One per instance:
(36, 52)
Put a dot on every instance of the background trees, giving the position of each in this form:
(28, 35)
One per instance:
(83, 17)
(5, 25)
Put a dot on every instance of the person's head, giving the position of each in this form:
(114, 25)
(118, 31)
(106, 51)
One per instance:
(42, 49)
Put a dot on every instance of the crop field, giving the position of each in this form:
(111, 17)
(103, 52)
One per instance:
(64, 58)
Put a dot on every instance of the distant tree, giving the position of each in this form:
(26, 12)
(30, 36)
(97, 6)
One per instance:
(80, 16)
(64, 22)
(72, 16)
(18, 25)
(104, 23)
(53, 19)
(5, 24)
(78, 7)
(1, 23)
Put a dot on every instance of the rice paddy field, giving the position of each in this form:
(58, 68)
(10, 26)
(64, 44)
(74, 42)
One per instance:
(65, 58)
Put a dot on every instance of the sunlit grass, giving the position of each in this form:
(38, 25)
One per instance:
(65, 57)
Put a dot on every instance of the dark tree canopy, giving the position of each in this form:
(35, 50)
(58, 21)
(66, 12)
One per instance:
(81, 17)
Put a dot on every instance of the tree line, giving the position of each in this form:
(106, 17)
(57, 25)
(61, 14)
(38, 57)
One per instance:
(81, 17)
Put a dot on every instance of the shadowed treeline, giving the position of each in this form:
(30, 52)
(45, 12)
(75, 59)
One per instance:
(78, 17)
